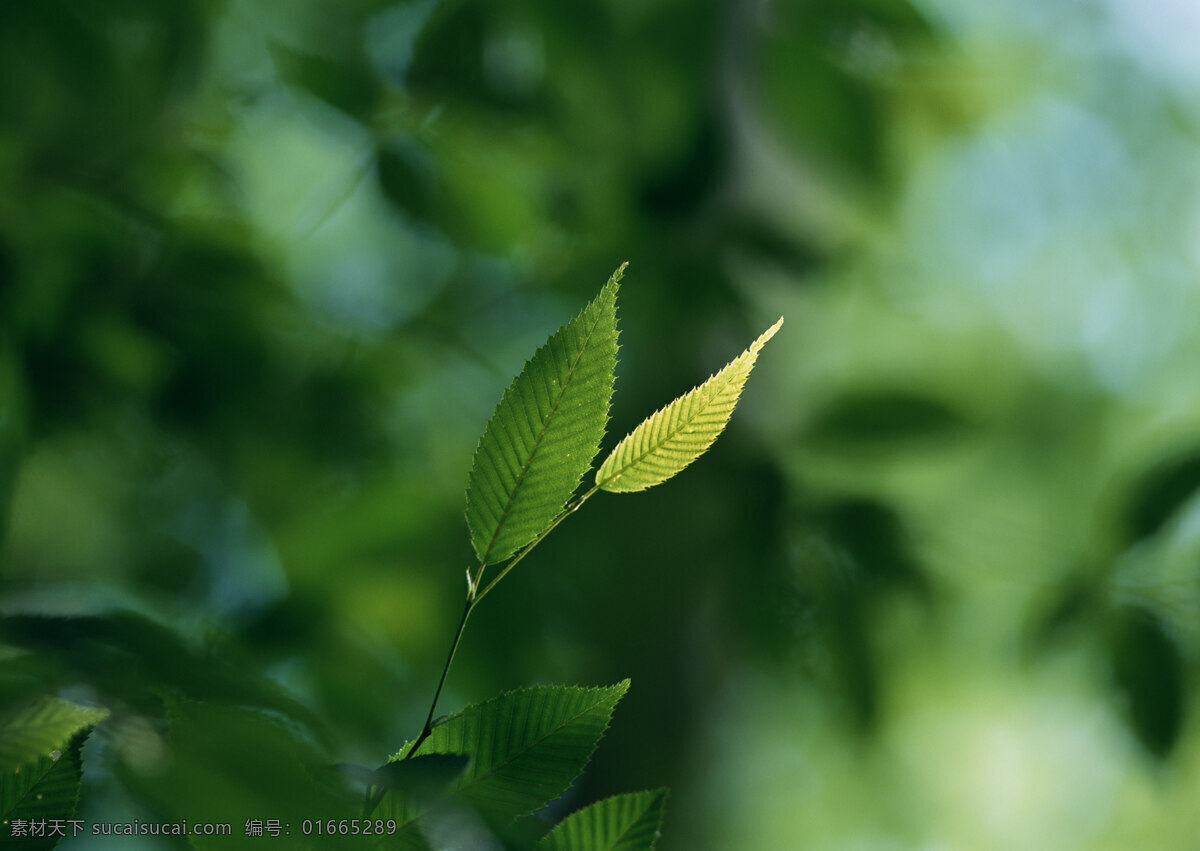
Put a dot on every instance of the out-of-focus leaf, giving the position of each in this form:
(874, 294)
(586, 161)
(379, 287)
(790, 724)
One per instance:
(672, 438)
(818, 108)
(472, 52)
(1147, 666)
(1070, 607)
(232, 764)
(544, 433)
(347, 83)
(1160, 493)
(12, 421)
(872, 535)
(629, 822)
(814, 73)
(31, 732)
(131, 657)
(855, 666)
(877, 418)
(407, 178)
(526, 748)
(687, 182)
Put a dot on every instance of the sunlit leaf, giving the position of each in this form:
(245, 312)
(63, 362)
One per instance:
(31, 732)
(1147, 666)
(622, 823)
(408, 180)
(544, 433)
(678, 434)
(526, 748)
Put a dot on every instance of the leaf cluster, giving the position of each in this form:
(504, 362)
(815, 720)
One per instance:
(482, 773)
(547, 429)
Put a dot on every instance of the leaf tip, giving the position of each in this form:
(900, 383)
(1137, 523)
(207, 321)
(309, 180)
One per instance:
(767, 335)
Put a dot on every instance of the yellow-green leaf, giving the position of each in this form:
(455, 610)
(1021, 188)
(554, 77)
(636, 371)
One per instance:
(678, 434)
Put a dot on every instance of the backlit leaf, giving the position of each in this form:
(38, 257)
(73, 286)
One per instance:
(678, 434)
(32, 731)
(622, 823)
(544, 433)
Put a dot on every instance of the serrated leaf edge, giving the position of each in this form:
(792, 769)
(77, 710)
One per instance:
(621, 688)
(708, 386)
(612, 285)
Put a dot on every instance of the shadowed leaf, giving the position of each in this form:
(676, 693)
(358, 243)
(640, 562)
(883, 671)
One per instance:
(1148, 668)
(1160, 493)
(882, 417)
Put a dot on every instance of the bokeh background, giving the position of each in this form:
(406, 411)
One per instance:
(266, 268)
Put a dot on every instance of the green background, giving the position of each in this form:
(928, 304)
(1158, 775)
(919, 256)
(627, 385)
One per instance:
(266, 268)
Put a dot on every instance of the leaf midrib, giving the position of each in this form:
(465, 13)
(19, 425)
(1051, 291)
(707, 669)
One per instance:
(496, 768)
(23, 796)
(634, 822)
(538, 442)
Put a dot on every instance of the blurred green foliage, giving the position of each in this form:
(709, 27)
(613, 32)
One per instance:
(265, 270)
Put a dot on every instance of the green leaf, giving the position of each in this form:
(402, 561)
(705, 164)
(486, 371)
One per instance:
(33, 731)
(43, 790)
(1161, 492)
(678, 434)
(526, 748)
(544, 433)
(622, 823)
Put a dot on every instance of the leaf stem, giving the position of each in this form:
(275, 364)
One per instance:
(462, 624)
(375, 795)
